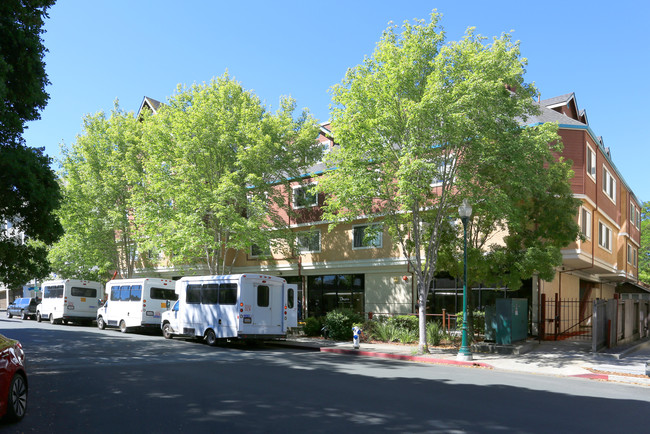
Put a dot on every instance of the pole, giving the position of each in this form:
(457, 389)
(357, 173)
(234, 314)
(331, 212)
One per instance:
(464, 354)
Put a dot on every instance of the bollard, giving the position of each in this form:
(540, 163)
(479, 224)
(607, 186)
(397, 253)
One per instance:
(356, 333)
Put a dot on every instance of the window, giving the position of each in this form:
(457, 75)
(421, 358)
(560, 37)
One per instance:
(115, 293)
(193, 294)
(585, 223)
(604, 236)
(163, 294)
(228, 293)
(210, 293)
(125, 293)
(591, 163)
(83, 292)
(304, 197)
(367, 236)
(290, 297)
(609, 184)
(632, 213)
(263, 296)
(443, 172)
(257, 251)
(308, 241)
(631, 255)
(325, 146)
(136, 293)
(53, 291)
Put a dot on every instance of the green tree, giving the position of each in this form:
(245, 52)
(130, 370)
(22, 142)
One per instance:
(217, 166)
(28, 190)
(424, 124)
(100, 174)
(644, 251)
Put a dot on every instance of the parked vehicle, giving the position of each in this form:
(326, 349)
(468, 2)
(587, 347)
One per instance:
(135, 303)
(24, 308)
(13, 380)
(241, 306)
(69, 300)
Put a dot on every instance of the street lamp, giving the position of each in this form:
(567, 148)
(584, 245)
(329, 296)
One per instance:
(465, 212)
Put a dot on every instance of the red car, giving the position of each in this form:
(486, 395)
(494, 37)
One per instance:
(13, 380)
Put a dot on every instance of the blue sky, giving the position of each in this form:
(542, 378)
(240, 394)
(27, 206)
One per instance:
(103, 50)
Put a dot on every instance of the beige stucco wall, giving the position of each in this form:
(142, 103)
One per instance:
(388, 293)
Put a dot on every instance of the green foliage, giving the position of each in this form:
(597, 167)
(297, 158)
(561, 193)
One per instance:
(478, 321)
(29, 193)
(384, 331)
(406, 336)
(214, 160)
(435, 334)
(313, 326)
(101, 174)
(644, 250)
(406, 322)
(22, 70)
(339, 323)
(424, 124)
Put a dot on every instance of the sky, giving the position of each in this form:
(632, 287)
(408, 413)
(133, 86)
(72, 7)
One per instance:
(101, 51)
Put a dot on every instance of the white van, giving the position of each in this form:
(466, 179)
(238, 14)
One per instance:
(69, 300)
(135, 303)
(241, 306)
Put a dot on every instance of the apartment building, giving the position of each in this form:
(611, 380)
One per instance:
(342, 268)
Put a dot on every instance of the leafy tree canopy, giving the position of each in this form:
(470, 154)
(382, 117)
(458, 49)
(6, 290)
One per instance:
(423, 124)
(644, 251)
(215, 163)
(28, 190)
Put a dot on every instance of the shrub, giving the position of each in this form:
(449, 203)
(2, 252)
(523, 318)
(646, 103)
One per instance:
(406, 322)
(313, 326)
(434, 333)
(385, 332)
(478, 321)
(406, 336)
(339, 322)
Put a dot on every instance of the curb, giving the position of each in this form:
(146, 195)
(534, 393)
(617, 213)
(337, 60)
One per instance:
(423, 359)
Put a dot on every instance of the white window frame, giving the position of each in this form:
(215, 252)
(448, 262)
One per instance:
(377, 243)
(585, 226)
(305, 249)
(604, 236)
(631, 255)
(264, 253)
(609, 184)
(590, 162)
(446, 166)
(326, 146)
(303, 187)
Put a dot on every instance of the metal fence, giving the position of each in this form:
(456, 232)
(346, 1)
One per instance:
(562, 319)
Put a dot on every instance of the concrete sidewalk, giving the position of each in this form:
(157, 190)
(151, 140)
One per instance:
(561, 358)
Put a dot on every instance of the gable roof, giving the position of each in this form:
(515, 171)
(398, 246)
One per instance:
(151, 104)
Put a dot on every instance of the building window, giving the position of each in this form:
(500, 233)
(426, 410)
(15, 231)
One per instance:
(604, 236)
(257, 251)
(325, 147)
(591, 163)
(367, 236)
(631, 255)
(304, 196)
(585, 223)
(609, 184)
(308, 241)
(335, 291)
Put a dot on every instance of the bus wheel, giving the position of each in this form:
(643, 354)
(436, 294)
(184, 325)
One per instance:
(51, 318)
(100, 323)
(38, 316)
(210, 338)
(167, 331)
(122, 326)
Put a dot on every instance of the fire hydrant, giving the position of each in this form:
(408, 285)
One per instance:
(356, 333)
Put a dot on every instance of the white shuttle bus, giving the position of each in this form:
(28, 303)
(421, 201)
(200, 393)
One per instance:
(69, 300)
(135, 303)
(240, 306)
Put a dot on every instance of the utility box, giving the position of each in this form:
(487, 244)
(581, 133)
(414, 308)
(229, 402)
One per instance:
(511, 320)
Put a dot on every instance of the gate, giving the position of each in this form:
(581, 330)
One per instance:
(565, 319)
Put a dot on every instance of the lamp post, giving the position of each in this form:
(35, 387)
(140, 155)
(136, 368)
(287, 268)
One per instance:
(465, 212)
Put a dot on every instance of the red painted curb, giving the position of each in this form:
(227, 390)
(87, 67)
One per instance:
(405, 357)
(592, 376)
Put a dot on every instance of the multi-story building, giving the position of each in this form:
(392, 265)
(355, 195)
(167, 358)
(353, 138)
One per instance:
(342, 268)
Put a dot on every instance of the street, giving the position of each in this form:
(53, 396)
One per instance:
(82, 379)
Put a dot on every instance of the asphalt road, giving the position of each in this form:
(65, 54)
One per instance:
(85, 380)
